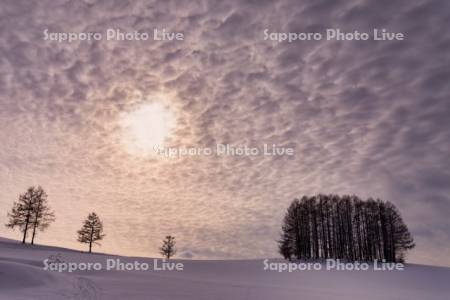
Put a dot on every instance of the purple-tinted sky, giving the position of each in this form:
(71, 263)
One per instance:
(365, 117)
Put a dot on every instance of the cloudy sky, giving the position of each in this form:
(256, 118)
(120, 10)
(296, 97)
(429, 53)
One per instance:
(364, 117)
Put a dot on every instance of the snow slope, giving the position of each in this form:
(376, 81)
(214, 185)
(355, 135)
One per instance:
(22, 277)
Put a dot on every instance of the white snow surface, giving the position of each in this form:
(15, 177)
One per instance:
(22, 276)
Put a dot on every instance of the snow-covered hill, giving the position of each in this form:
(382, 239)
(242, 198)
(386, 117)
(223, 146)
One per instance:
(22, 276)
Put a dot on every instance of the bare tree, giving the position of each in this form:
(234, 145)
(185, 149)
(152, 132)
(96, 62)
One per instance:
(332, 226)
(92, 231)
(42, 214)
(30, 211)
(168, 248)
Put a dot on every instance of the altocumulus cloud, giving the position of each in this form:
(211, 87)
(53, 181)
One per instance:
(369, 118)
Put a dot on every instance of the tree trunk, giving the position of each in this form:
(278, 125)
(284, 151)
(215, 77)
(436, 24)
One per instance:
(90, 240)
(24, 234)
(36, 221)
(25, 229)
(34, 234)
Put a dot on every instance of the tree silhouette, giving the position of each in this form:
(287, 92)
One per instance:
(331, 226)
(168, 247)
(31, 211)
(92, 231)
(42, 214)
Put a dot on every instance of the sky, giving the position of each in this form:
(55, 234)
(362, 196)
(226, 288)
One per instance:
(369, 118)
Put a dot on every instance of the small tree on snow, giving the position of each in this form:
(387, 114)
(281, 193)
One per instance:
(92, 231)
(20, 215)
(168, 248)
(42, 214)
(31, 212)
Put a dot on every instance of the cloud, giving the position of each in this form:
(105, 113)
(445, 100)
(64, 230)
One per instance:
(369, 118)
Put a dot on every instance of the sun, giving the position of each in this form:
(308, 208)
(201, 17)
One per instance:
(147, 127)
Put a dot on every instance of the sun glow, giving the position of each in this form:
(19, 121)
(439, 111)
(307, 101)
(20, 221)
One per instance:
(146, 127)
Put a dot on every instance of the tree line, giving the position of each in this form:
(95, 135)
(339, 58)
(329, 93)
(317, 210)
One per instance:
(32, 212)
(344, 227)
